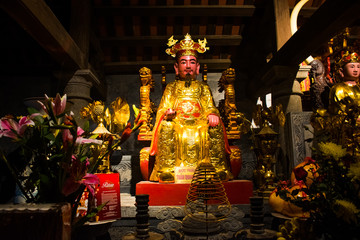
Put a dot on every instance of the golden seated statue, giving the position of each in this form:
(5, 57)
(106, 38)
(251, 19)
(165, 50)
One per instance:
(188, 128)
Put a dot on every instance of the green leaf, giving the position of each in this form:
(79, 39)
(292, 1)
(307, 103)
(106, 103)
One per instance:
(50, 136)
(83, 158)
(86, 126)
(32, 110)
(44, 179)
(95, 136)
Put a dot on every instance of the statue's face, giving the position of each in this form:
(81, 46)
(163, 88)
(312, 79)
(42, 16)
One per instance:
(187, 65)
(351, 71)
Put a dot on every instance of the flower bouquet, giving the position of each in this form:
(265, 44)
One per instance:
(55, 159)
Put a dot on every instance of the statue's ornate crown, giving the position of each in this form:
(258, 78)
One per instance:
(348, 57)
(343, 49)
(186, 47)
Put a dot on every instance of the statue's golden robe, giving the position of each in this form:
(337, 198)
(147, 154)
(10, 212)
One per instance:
(342, 96)
(344, 103)
(187, 139)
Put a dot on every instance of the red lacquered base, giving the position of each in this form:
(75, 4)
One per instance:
(172, 194)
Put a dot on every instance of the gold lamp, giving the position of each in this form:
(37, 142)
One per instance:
(266, 144)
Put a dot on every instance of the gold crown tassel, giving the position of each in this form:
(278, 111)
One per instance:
(185, 47)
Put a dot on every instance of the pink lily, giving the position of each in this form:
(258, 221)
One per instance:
(12, 129)
(58, 104)
(68, 138)
(79, 176)
(90, 180)
(81, 140)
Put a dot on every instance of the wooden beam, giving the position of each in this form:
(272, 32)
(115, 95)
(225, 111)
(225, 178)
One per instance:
(282, 22)
(213, 40)
(176, 10)
(41, 23)
(306, 12)
(188, 11)
(214, 65)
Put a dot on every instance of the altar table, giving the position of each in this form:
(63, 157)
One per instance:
(172, 194)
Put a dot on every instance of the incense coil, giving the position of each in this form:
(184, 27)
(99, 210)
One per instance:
(207, 195)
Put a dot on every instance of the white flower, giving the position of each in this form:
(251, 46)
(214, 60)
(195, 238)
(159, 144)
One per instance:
(332, 150)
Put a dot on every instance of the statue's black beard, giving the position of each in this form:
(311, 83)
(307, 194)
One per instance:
(188, 80)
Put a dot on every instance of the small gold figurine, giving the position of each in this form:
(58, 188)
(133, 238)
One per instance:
(146, 105)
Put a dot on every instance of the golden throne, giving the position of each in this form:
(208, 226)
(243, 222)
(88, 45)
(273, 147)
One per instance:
(234, 122)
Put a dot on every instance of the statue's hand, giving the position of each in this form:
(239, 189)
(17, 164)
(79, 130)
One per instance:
(170, 114)
(213, 120)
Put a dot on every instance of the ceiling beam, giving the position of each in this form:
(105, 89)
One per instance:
(184, 11)
(187, 11)
(156, 41)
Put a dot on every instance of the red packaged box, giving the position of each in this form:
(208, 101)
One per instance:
(108, 191)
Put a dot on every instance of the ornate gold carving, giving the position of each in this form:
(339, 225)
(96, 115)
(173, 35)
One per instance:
(235, 122)
(217, 152)
(204, 74)
(166, 156)
(235, 153)
(163, 78)
(146, 106)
